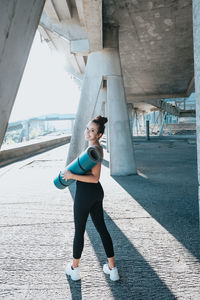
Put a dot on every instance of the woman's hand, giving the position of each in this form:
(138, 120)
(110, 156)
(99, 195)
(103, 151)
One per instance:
(67, 175)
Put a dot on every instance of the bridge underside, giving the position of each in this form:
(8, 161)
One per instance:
(155, 43)
(140, 52)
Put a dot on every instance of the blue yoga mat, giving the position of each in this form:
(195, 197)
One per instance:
(83, 163)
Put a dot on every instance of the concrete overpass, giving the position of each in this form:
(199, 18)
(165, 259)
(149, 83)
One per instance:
(155, 43)
(123, 51)
(155, 47)
(25, 124)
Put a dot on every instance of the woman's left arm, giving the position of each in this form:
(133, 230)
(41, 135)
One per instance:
(94, 177)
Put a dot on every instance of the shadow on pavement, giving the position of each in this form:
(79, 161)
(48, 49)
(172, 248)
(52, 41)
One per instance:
(75, 288)
(173, 206)
(169, 193)
(137, 279)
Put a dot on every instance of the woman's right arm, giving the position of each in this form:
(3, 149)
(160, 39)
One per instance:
(94, 177)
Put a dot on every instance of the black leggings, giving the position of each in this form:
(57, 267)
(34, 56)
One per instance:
(88, 200)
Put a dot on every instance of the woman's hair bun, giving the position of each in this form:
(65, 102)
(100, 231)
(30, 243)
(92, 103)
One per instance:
(101, 119)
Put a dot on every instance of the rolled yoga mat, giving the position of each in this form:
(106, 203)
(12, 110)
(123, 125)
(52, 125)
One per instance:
(83, 163)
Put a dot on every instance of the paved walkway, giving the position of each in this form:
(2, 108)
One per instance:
(152, 218)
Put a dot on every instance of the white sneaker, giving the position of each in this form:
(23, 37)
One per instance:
(74, 273)
(113, 272)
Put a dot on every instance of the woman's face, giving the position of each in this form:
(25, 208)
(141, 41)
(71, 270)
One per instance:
(91, 131)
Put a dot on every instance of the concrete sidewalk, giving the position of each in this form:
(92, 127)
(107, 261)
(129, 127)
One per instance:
(152, 218)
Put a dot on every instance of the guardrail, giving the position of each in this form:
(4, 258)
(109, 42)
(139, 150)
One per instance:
(19, 153)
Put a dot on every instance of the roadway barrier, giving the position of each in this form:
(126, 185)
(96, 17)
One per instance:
(18, 153)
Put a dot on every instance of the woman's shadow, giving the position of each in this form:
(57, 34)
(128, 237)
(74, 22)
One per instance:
(75, 288)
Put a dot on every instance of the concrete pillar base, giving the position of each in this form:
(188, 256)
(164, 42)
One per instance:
(122, 161)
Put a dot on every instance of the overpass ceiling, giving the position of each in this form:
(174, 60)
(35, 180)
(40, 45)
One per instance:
(155, 41)
(156, 45)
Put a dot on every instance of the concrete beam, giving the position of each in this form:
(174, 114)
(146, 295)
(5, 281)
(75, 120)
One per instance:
(75, 64)
(164, 106)
(190, 88)
(144, 98)
(68, 28)
(59, 42)
(47, 37)
(94, 23)
(79, 6)
(18, 23)
(160, 105)
(63, 8)
(154, 109)
(187, 114)
(81, 63)
(44, 33)
(62, 45)
(80, 47)
(50, 31)
(51, 12)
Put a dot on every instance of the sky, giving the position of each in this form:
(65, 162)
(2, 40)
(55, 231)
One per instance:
(45, 87)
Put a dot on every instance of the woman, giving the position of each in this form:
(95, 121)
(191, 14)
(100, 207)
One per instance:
(88, 200)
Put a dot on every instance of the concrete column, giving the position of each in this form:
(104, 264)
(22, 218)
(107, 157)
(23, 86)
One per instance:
(135, 123)
(130, 115)
(98, 107)
(122, 160)
(107, 131)
(196, 38)
(160, 122)
(154, 118)
(105, 65)
(98, 110)
(18, 22)
(147, 130)
(143, 120)
(160, 117)
(104, 115)
(139, 122)
(89, 95)
(104, 108)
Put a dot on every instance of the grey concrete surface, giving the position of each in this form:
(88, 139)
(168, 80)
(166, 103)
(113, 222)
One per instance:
(155, 42)
(196, 34)
(18, 24)
(152, 218)
(156, 45)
